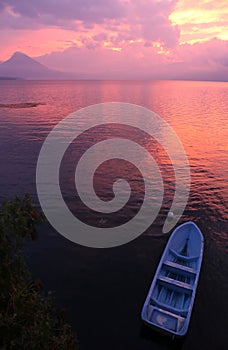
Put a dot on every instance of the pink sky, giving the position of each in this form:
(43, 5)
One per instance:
(134, 38)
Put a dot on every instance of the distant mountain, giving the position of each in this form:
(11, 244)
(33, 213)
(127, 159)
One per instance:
(21, 66)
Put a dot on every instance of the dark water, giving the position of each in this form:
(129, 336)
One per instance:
(103, 290)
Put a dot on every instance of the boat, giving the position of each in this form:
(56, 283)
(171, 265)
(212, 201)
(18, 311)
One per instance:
(168, 305)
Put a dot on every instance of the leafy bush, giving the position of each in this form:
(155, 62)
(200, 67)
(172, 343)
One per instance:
(28, 319)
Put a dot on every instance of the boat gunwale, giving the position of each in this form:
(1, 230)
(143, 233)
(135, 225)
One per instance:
(182, 332)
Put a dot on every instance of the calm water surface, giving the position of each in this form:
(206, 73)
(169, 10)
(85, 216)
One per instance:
(104, 290)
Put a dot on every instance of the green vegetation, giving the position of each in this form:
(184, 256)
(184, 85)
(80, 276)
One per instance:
(28, 318)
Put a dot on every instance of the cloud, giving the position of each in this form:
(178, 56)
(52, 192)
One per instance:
(206, 54)
(147, 38)
(199, 61)
(100, 37)
(122, 20)
(152, 19)
(200, 20)
(104, 61)
(69, 10)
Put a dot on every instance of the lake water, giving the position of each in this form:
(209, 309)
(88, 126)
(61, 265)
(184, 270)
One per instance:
(104, 290)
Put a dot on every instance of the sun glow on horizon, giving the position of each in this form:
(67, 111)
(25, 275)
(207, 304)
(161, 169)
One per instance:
(141, 35)
(201, 20)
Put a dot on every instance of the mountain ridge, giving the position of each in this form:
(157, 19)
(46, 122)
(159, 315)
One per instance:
(22, 66)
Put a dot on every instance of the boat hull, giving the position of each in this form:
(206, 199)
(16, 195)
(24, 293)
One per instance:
(168, 305)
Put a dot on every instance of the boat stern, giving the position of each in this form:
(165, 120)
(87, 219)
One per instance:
(164, 321)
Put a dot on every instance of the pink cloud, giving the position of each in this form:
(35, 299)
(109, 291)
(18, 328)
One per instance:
(121, 38)
(129, 20)
(205, 55)
(198, 61)
(85, 10)
(152, 18)
(100, 37)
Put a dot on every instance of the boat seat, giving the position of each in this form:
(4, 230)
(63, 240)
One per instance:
(167, 320)
(177, 311)
(178, 267)
(183, 257)
(175, 285)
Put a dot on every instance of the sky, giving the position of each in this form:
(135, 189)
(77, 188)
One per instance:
(114, 38)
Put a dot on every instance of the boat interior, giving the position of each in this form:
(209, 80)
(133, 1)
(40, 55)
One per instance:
(172, 295)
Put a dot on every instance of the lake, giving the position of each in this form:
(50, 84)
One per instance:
(103, 290)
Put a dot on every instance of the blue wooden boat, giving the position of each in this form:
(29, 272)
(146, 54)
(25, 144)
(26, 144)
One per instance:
(169, 303)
